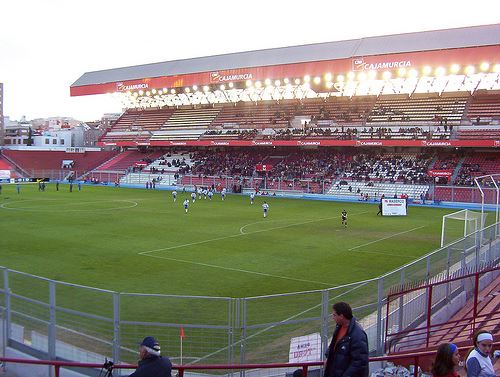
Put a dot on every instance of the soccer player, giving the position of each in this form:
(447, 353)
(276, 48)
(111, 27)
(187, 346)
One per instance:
(174, 195)
(193, 196)
(344, 218)
(186, 204)
(252, 198)
(265, 206)
(223, 193)
(210, 194)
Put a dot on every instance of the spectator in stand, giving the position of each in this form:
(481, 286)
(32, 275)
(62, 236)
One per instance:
(151, 362)
(478, 362)
(347, 354)
(446, 361)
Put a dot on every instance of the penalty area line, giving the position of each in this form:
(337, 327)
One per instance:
(385, 238)
(239, 270)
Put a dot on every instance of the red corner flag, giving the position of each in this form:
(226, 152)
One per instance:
(182, 333)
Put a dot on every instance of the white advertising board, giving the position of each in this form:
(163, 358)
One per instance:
(394, 207)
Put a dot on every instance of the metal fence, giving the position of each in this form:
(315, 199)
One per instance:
(57, 320)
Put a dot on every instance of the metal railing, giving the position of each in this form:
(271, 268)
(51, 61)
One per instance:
(54, 319)
(417, 362)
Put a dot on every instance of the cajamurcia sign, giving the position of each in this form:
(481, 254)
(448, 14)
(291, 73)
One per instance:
(121, 87)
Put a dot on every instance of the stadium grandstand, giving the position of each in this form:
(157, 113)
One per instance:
(414, 116)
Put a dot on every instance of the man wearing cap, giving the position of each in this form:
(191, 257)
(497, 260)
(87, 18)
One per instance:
(151, 364)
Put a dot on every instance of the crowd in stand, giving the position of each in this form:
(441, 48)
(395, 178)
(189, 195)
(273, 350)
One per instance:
(316, 165)
(312, 130)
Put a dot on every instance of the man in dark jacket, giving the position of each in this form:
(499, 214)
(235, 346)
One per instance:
(151, 363)
(348, 351)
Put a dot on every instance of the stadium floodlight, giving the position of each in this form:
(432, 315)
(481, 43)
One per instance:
(186, 89)
(350, 75)
(340, 78)
(455, 68)
(427, 70)
(470, 70)
(277, 83)
(148, 93)
(248, 83)
(136, 94)
(258, 84)
(286, 80)
(484, 66)
(328, 77)
(387, 75)
(141, 92)
(329, 85)
(153, 91)
(402, 72)
(496, 68)
(362, 76)
(231, 85)
(172, 91)
(222, 87)
(129, 93)
(267, 82)
(440, 71)
(195, 88)
(413, 73)
(307, 78)
(165, 90)
(206, 88)
(317, 80)
(297, 81)
(372, 75)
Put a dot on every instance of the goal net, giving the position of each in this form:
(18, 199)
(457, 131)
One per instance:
(460, 224)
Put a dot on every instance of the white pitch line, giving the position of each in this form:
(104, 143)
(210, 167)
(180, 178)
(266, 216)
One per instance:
(384, 238)
(241, 234)
(239, 270)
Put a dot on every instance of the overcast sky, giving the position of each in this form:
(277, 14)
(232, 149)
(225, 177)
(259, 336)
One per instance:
(46, 45)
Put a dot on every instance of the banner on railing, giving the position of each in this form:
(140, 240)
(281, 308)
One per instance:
(263, 167)
(305, 348)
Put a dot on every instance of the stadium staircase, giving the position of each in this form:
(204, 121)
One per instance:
(457, 169)
(459, 305)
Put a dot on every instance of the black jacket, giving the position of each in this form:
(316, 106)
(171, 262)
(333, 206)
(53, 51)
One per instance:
(153, 366)
(350, 356)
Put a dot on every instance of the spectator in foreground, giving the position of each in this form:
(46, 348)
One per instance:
(348, 351)
(478, 362)
(151, 364)
(446, 362)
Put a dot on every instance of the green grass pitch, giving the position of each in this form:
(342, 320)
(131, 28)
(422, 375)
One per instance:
(137, 240)
(134, 240)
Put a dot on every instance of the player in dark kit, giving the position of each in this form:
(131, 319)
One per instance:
(344, 218)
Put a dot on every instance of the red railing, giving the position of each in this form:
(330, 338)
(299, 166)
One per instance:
(415, 358)
(457, 330)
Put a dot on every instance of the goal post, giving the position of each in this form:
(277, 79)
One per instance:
(460, 224)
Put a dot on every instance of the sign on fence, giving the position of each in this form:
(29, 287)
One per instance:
(305, 348)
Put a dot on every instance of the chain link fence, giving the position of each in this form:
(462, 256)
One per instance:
(53, 319)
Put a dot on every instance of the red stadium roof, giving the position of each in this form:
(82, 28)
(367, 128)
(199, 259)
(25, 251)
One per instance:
(464, 46)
